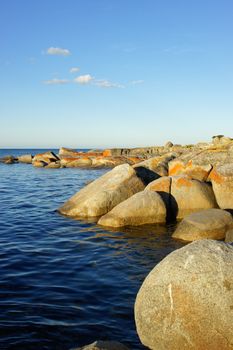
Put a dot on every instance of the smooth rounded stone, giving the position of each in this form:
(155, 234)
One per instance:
(168, 144)
(46, 157)
(186, 302)
(144, 207)
(222, 181)
(104, 345)
(209, 223)
(25, 158)
(229, 236)
(39, 164)
(103, 194)
(189, 195)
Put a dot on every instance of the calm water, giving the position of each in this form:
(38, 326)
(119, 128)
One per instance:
(66, 283)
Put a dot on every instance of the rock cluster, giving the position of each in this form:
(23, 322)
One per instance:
(163, 188)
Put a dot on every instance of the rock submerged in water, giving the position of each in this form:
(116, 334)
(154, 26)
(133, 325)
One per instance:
(103, 194)
(144, 207)
(209, 223)
(103, 345)
(186, 301)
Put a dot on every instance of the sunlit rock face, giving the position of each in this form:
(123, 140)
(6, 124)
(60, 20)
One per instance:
(186, 300)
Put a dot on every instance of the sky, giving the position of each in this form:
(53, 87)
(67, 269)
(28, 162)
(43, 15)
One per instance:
(115, 73)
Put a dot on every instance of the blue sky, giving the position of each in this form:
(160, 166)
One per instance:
(106, 73)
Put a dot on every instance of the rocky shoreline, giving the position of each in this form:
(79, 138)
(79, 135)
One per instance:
(187, 299)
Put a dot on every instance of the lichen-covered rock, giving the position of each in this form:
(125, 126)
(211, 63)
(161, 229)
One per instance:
(104, 345)
(46, 157)
(144, 207)
(209, 223)
(191, 195)
(103, 194)
(186, 302)
(222, 181)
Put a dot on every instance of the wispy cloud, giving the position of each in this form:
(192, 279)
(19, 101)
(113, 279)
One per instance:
(103, 83)
(58, 51)
(84, 79)
(136, 82)
(56, 81)
(74, 69)
(179, 50)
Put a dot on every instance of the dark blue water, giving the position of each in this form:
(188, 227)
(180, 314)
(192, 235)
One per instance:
(66, 283)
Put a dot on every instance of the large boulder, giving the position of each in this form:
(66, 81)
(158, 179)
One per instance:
(186, 302)
(183, 195)
(144, 207)
(191, 195)
(209, 223)
(222, 181)
(103, 194)
(104, 345)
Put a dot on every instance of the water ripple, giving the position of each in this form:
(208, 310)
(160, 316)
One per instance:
(63, 282)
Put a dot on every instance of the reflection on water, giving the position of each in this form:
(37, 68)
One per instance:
(65, 282)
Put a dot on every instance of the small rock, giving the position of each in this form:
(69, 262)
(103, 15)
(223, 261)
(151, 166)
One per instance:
(169, 144)
(210, 223)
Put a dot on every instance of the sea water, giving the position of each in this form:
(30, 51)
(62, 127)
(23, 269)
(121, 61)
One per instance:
(65, 283)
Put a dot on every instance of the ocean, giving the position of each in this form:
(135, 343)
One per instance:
(65, 283)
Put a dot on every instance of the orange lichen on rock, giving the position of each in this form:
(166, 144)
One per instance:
(216, 177)
(107, 153)
(176, 169)
(183, 182)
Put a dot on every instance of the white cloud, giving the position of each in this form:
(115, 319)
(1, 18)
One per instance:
(83, 79)
(136, 82)
(56, 81)
(58, 51)
(107, 84)
(74, 69)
